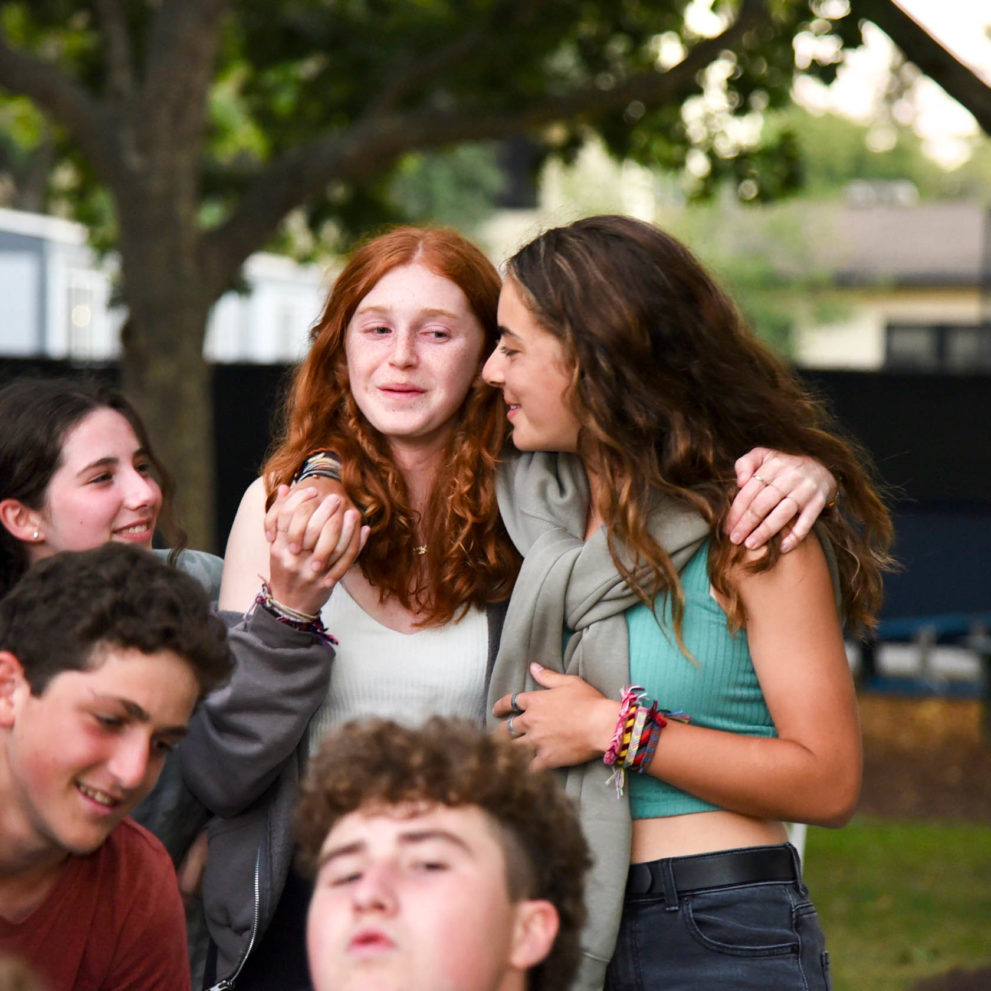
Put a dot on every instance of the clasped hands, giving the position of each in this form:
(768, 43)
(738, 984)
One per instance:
(313, 541)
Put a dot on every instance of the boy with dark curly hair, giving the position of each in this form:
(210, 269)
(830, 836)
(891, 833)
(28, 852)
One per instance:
(103, 654)
(442, 863)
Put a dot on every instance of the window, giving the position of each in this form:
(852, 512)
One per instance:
(938, 347)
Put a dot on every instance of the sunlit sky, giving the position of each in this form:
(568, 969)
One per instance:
(964, 27)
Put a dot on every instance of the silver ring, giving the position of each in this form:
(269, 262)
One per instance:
(763, 481)
(509, 725)
(514, 705)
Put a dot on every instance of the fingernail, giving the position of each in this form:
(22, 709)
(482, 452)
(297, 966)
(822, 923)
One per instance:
(316, 565)
(536, 668)
(735, 537)
(787, 544)
(751, 543)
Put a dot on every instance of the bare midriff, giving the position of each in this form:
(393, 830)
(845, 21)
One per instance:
(701, 832)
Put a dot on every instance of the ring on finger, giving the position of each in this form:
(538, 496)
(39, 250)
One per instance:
(514, 704)
(509, 724)
(763, 481)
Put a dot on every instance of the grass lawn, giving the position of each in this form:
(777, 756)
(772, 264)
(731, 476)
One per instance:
(900, 901)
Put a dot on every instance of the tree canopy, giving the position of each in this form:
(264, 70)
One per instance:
(204, 123)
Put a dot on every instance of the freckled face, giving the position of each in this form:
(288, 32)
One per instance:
(81, 755)
(529, 366)
(103, 490)
(413, 349)
(412, 902)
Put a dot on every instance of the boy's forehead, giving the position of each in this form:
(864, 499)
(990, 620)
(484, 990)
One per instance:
(159, 686)
(106, 653)
(375, 825)
(97, 655)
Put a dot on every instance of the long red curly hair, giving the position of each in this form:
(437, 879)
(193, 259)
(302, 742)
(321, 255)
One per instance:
(470, 559)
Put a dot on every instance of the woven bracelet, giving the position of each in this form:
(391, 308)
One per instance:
(321, 464)
(303, 622)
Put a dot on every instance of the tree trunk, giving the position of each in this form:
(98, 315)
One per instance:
(164, 372)
(172, 391)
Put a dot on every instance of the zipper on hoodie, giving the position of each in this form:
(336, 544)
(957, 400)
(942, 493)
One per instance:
(227, 984)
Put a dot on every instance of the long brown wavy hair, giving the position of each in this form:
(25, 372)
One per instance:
(671, 388)
(470, 559)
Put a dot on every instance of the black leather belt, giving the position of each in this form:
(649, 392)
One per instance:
(713, 870)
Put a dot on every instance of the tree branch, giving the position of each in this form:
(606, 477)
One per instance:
(421, 69)
(120, 61)
(30, 172)
(919, 47)
(181, 47)
(63, 100)
(372, 144)
(417, 69)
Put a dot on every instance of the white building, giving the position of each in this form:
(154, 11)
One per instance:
(57, 296)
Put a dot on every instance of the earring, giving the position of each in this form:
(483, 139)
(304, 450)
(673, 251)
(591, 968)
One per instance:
(35, 535)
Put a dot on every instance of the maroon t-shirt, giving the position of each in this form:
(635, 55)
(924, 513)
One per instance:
(113, 921)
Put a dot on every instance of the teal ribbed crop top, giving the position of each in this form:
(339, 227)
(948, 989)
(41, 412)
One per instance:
(718, 690)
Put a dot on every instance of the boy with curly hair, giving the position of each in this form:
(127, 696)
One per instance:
(442, 863)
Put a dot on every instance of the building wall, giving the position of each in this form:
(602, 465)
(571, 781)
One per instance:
(856, 340)
(57, 300)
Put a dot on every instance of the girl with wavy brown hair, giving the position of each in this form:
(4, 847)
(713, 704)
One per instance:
(392, 387)
(706, 681)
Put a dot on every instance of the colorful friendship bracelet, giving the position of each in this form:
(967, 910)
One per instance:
(638, 730)
(304, 622)
(628, 700)
(323, 464)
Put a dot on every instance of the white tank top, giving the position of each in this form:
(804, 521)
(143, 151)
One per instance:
(408, 677)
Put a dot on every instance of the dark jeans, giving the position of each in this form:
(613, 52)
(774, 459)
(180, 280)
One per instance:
(763, 936)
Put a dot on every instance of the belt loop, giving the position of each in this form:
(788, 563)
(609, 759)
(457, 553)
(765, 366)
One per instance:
(667, 882)
(796, 861)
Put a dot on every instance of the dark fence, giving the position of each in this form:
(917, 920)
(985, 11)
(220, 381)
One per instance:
(930, 436)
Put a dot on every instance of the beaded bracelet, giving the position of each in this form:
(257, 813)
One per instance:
(304, 622)
(323, 464)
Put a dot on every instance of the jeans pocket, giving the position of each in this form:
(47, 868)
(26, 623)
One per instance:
(755, 920)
